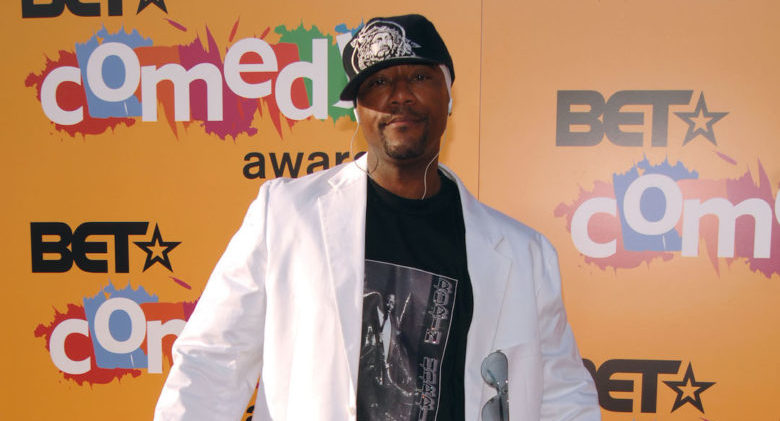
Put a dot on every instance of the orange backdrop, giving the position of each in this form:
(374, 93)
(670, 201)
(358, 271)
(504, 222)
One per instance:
(638, 136)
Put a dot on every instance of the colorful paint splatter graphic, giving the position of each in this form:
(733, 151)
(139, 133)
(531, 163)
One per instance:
(115, 333)
(117, 79)
(657, 212)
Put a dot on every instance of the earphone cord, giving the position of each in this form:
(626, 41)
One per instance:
(425, 175)
(351, 142)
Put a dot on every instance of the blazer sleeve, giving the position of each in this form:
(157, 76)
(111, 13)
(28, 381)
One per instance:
(569, 392)
(217, 358)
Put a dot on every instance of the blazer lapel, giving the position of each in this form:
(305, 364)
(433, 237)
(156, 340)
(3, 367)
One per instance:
(489, 272)
(343, 219)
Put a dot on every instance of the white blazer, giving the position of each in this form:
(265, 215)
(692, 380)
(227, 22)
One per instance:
(285, 304)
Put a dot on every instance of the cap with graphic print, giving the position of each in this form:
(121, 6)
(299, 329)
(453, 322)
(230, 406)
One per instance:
(385, 42)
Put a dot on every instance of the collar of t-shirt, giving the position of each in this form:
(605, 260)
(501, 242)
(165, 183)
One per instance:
(434, 204)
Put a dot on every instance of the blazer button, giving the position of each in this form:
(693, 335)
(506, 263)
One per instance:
(352, 410)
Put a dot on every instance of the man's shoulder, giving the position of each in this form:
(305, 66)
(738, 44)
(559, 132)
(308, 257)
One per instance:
(311, 185)
(482, 216)
(510, 228)
(511, 225)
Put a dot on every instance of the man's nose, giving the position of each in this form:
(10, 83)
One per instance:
(402, 93)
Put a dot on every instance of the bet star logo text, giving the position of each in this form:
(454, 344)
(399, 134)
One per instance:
(55, 247)
(584, 118)
(609, 378)
(31, 9)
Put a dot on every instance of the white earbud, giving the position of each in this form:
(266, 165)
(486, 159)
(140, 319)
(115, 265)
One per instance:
(354, 111)
(448, 82)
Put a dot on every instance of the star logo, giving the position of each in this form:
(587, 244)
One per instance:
(700, 121)
(157, 250)
(688, 390)
(159, 3)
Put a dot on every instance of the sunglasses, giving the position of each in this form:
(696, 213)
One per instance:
(494, 371)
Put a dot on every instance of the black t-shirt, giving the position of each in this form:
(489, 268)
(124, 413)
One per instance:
(417, 307)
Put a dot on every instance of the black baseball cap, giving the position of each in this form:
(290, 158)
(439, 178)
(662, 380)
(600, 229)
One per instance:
(385, 42)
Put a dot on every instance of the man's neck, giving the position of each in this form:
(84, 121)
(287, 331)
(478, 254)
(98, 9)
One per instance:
(410, 183)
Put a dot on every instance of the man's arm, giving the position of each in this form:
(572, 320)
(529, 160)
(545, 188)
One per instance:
(569, 392)
(218, 356)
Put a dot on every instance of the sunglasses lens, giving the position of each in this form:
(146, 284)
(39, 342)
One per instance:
(496, 409)
(494, 369)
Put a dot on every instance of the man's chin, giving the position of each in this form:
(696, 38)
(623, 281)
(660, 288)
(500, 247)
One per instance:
(403, 155)
(403, 150)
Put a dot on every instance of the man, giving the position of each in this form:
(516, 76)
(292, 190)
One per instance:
(377, 290)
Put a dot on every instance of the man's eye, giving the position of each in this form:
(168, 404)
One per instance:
(420, 76)
(377, 82)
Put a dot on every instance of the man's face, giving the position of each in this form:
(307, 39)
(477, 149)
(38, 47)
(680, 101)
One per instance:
(403, 112)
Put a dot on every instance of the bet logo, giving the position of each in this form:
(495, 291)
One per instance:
(30, 9)
(54, 247)
(688, 389)
(584, 118)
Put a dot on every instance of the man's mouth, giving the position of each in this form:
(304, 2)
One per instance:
(403, 119)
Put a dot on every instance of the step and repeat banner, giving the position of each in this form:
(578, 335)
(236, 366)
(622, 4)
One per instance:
(640, 137)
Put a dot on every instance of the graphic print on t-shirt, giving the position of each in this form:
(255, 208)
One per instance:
(406, 323)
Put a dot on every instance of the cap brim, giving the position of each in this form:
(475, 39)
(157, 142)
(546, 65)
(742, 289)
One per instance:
(349, 93)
